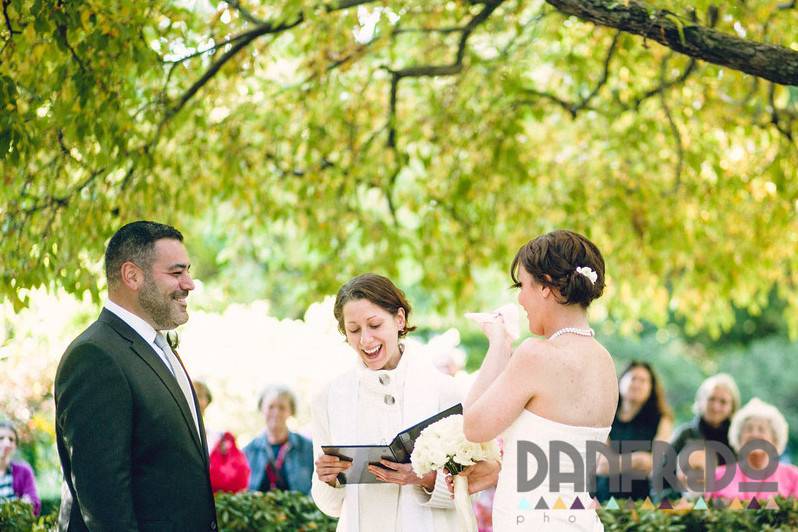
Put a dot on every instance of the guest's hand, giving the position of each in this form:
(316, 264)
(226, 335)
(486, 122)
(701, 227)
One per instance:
(402, 474)
(328, 467)
(697, 470)
(481, 476)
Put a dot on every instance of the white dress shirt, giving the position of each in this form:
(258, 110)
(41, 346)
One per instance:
(143, 329)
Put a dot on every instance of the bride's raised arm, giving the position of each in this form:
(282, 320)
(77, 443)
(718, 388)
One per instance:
(502, 387)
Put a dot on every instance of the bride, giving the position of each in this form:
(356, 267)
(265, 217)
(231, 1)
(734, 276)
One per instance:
(559, 388)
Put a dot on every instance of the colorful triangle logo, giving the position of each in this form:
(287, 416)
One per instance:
(595, 505)
(684, 504)
(648, 505)
(577, 505)
(754, 504)
(700, 504)
(612, 504)
(541, 505)
(665, 505)
(523, 504)
(771, 505)
(559, 505)
(736, 505)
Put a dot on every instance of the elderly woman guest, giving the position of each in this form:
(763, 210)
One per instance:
(388, 389)
(757, 420)
(16, 476)
(279, 458)
(716, 400)
(642, 415)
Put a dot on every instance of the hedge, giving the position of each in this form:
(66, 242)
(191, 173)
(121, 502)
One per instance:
(274, 511)
(17, 516)
(712, 520)
(294, 512)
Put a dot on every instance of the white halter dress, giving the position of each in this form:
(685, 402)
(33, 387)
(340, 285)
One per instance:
(541, 509)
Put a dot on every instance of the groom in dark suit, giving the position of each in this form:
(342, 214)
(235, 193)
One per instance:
(130, 439)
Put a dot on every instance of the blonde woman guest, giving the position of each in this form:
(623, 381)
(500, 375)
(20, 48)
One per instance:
(758, 420)
(388, 389)
(559, 388)
(716, 400)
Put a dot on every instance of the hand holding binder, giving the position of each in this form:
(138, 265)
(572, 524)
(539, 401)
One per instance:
(399, 450)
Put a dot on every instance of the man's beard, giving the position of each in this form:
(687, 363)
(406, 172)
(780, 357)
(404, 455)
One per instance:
(158, 306)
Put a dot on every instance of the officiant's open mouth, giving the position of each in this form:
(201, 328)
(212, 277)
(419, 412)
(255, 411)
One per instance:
(372, 353)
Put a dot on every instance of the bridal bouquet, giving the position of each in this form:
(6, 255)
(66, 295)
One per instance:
(443, 445)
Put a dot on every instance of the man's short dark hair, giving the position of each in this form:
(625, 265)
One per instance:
(135, 242)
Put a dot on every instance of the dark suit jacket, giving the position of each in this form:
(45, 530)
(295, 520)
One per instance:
(128, 445)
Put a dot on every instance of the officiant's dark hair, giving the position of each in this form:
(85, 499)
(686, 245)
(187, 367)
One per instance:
(134, 242)
(552, 259)
(379, 290)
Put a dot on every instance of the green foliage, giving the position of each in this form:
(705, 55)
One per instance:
(274, 511)
(17, 516)
(683, 174)
(641, 520)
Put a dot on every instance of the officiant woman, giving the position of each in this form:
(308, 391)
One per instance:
(388, 389)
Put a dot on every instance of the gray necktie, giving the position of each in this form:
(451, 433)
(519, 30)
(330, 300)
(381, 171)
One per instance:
(180, 375)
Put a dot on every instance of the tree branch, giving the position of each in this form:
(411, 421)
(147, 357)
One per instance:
(245, 13)
(216, 46)
(11, 30)
(434, 70)
(445, 31)
(62, 33)
(241, 41)
(774, 63)
(584, 104)
(666, 84)
(677, 136)
(782, 119)
(604, 75)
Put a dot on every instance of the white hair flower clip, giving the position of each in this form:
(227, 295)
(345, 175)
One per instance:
(587, 272)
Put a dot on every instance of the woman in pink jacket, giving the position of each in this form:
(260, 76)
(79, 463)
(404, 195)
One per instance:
(757, 420)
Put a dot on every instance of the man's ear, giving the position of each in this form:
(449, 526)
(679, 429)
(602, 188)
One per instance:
(132, 276)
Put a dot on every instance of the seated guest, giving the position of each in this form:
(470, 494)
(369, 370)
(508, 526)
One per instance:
(716, 400)
(642, 415)
(16, 476)
(758, 420)
(228, 465)
(279, 459)
(204, 398)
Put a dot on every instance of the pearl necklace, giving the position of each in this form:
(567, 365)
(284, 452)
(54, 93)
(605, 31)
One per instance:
(572, 330)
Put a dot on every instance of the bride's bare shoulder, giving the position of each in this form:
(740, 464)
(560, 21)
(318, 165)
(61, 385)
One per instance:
(532, 349)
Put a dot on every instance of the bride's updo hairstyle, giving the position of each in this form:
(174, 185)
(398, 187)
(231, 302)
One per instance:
(565, 261)
(377, 289)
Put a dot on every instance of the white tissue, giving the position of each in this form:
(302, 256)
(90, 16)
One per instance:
(509, 316)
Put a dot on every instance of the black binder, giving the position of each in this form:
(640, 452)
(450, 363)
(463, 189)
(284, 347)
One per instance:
(399, 450)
